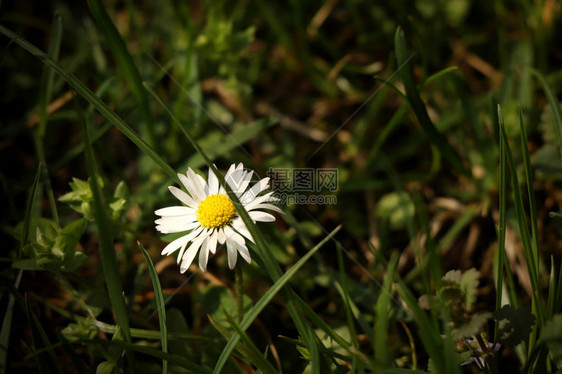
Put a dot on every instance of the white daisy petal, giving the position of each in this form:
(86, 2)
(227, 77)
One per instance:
(221, 237)
(174, 211)
(258, 200)
(194, 186)
(268, 206)
(261, 216)
(213, 183)
(189, 255)
(183, 197)
(228, 233)
(245, 253)
(241, 228)
(231, 253)
(212, 242)
(174, 245)
(244, 182)
(192, 235)
(256, 189)
(203, 256)
(172, 226)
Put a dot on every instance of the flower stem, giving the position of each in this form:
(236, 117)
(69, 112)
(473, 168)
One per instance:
(238, 277)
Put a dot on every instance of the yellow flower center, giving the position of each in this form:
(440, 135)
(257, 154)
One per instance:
(215, 211)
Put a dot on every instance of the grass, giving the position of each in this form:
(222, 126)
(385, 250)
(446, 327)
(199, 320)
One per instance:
(440, 252)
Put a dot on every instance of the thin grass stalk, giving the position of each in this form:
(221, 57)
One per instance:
(107, 251)
(28, 210)
(555, 106)
(126, 65)
(239, 281)
(160, 305)
(531, 195)
(47, 360)
(502, 222)
(524, 231)
(258, 359)
(434, 136)
(345, 294)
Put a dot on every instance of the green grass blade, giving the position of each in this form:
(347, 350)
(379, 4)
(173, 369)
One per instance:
(266, 298)
(324, 326)
(383, 309)
(29, 209)
(552, 290)
(529, 180)
(392, 124)
(89, 96)
(523, 229)
(257, 358)
(314, 353)
(160, 305)
(125, 63)
(7, 326)
(45, 94)
(107, 251)
(171, 358)
(435, 137)
(558, 299)
(46, 83)
(345, 296)
(392, 86)
(433, 77)
(502, 223)
(555, 105)
(47, 359)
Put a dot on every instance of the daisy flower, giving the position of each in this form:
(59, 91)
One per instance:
(210, 216)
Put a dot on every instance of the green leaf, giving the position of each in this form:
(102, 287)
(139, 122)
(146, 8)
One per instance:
(397, 208)
(551, 335)
(73, 261)
(105, 367)
(474, 326)
(453, 276)
(83, 330)
(68, 237)
(469, 285)
(515, 324)
(27, 264)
